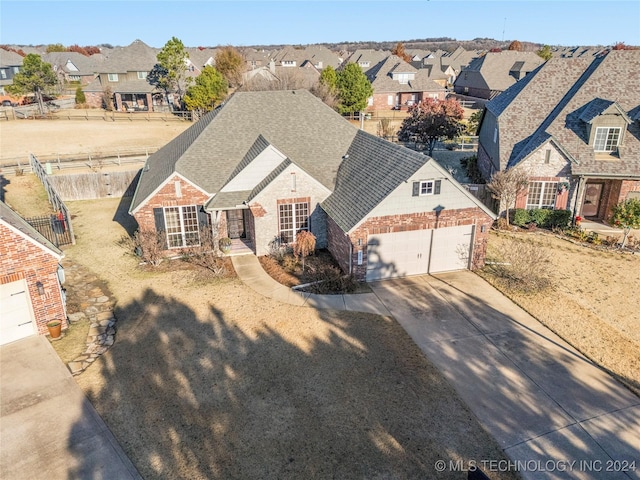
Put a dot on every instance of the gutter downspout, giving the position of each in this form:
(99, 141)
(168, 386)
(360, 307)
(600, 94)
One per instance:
(350, 255)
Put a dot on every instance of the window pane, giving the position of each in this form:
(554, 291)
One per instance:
(533, 196)
(426, 188)
(302, 216)
(286, 222)
(607, 139)
(549, 197)
(190, 225)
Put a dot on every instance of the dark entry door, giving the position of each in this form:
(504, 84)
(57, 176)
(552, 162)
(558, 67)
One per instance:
(591, 203)
(235, 224)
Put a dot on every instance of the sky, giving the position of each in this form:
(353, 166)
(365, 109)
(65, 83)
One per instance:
(212, 23)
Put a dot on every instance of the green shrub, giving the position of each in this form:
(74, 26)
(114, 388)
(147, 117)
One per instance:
(521, 217)
(540, 216)
(559, 218)
(80, 96)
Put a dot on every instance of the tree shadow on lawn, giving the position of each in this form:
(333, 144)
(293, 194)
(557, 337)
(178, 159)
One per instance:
(351, 397)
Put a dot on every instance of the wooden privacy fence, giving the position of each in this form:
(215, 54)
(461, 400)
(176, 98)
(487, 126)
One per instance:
(55, 200)
(89, 186)
(482, 193)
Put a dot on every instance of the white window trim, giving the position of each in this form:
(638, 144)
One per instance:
(295, 228)
(113, 77)
(606, 137)
(427, 187)
(543, 188)
(142, 75)
(182, 229)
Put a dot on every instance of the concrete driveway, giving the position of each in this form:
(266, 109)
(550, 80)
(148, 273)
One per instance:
(545, 403)
(48, 428)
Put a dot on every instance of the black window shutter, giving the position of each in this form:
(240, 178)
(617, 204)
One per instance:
(158, 216)
(436, 187)
(416, 189)
(203, 217)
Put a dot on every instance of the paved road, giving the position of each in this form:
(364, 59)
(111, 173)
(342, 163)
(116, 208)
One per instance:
(545, 403)
(48, 428)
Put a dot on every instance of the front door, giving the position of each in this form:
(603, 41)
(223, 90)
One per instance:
(235, 223)
(591, 203)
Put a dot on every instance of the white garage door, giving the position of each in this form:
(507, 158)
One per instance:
(398, 254)
(16, 314)
(418, 252)
(450, 248)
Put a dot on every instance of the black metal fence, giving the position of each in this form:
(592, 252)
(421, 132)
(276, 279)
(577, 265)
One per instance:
(53, 227)
(63, 213)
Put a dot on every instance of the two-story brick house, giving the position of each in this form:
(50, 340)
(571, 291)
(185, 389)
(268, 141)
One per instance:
(574, 125)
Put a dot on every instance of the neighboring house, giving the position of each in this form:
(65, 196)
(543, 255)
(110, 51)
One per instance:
(200, 58)
(321, 57)
(453, 63)
(367, 58)
(30, 291)
(124, 75)
(491, 74)
(573, 122)
(10, 64)
(397, 84)
(266, 165)
(254, 58)
(73, 66)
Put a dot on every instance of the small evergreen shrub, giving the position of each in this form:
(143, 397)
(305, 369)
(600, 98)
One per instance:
(521, 217)
(540, 216)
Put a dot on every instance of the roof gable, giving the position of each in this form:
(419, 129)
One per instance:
(371, 170)
(600, 106)
(255, 167)
(20, 227)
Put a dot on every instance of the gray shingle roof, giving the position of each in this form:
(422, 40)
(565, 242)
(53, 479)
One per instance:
(492, 71)
(372, 171)
(381, 77)
(162, 164)
(10, 59)
(297, 123)
(137, 57)
(226, 200)
(17, 222)
(85, 65)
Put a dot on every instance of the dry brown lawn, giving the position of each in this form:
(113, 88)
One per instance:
(210, 380)
(207, 379)
(593, 303)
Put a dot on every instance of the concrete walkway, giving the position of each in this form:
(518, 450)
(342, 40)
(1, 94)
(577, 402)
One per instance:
(545, 403)
(253, 275)
(48, 428)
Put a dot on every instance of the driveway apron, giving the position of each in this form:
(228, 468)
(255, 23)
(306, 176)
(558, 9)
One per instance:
(545, 403)
(48, 428)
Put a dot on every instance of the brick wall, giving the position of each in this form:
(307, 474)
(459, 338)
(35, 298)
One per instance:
(166, 197)
(282, 190)
(339, 243)
(21, 259)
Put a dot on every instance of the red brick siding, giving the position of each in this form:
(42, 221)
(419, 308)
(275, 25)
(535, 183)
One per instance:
(166, 197)
(22, 259)
(340, 248)
(338, 244)
(627, 186)
(614, 192)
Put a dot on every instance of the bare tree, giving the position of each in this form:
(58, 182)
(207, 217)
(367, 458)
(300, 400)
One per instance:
(507, 185)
